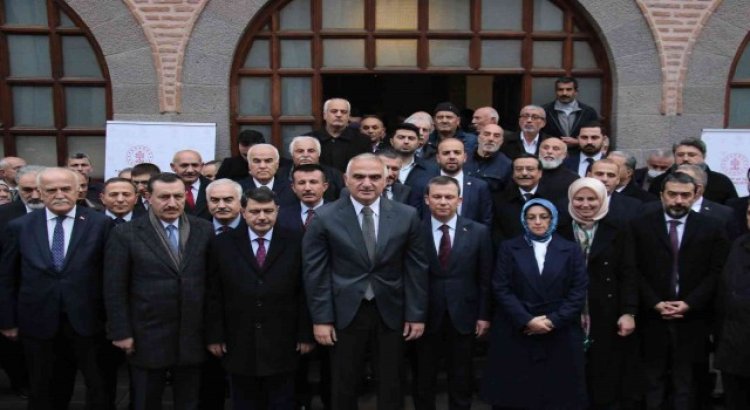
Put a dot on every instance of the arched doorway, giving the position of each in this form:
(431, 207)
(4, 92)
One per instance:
(394, 57)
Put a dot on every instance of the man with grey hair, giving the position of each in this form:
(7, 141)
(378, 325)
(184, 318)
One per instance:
(659, 161)
(719, 212)
(531, 120)
(224, 204)
(483, 116)
(339, 143)
(306, 150)
(9, 167)
(556, 178)
(425, 125)
(263, 163)
(627, 185)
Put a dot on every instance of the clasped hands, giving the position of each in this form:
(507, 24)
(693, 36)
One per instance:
(674, 309)
(539, 325)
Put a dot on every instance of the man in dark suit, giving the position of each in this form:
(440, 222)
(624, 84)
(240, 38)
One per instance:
(627, 185)
(531, 120)
(306, 150)
(50, 290)
(679, 255)
(338, 141)
(308, 184)
(366, 282)
(81, 163)
(119, 199)
(460, 255)
(590, 142)
(259, 342)
(621, 206)
(263, 160)
(487, 162)
(187, 164)
(477, 199)
(527, 172)
(658, 162)
(693, 151)
(721, 213)
(224, 204)
(566, 114)
(154, 292)
(405, 141)
(139, 175)
(556, 178)
(394, 190)
(739, 208)
(235, 167)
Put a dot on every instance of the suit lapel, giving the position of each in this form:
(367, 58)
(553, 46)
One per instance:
(149, 238)
(459, 243)
(81, 227)
(660, 224)
(690, 231)
(385, 223)
(605, 234)
(41, 235)
(468, 196)
(351, 226)
(552, 263)
(527, 262)
(430, 243)
(274, 250)
(244, 247)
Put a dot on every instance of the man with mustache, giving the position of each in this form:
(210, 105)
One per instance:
(263, 160)
(224, 196)
(487, 162)
(556, 178)
(187, 164)
(679, 254)
(306, 150)
(50, 291)
(590, 141)
(566, 114)
(531, 120)
(405, 141)
(154, 290)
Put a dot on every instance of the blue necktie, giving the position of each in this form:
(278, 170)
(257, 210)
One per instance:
(58, 244)
(172, 237)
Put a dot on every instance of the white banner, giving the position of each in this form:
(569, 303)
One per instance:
(133, 142)
(729, 153)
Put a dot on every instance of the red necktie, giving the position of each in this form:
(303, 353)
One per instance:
(444, 253)
(260, 255)
(189, 197)
(309, 218)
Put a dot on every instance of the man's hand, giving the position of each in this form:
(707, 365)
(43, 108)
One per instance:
(325, 334)
(481, 328)
(413, 330)
(664, 309)
(625, 325)
(538, 326)
(127, 345)
(11, 334)
(217, 349)
(305, 348)
(679, 308)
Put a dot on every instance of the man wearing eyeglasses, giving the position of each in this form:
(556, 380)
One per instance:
(530, 122)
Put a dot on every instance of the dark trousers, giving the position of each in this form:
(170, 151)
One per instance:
(348, 360)
(275, 392)
(674, 370)
(148, 387)
(213, 385)
(45, 358)
(13, 362)
(736, 391)
(303, 393)
(112, 359)
(457, 350)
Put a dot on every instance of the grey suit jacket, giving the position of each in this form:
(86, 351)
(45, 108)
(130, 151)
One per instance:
(337, 268)
(151, 299)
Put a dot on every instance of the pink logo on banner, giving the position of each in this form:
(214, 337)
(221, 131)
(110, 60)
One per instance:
(735, 167)
(138, 154)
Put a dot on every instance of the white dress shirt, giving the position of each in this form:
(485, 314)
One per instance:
(259, 184)
(583, 165)
(195, 188)
(530, 147)
(697, 205)
(67, 226)
(437, 233)
(128, 217)
(460, 178)
(218, 225)
(680, 227)
(405, 170)
(304, 208)
(540, 253)
(266, 243)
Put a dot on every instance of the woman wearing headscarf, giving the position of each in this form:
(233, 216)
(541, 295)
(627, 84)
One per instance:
(612, 300)
(536, 345)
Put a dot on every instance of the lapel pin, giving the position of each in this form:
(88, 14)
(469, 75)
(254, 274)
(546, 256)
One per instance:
(83, 218)
(465, 230)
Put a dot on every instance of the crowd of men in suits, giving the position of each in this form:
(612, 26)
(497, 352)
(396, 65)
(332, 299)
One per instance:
(353, 244)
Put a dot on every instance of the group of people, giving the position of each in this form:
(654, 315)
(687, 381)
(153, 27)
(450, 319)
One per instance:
(595, 284)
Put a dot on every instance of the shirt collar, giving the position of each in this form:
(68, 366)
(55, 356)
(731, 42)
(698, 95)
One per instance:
(532, 191)
(697, 205)
(596, 157)
(254, 236)
(304, 207)
(669, 218)
(51, 215)
(258, 184)
(196, 185)
(165, 224)
(375, 206)
(451, 223)
(235, 222)
(126, 218)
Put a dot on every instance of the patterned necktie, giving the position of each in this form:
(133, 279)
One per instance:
(368, 233)
(444, 252)
(119, 221)
(260, 255)
(172, 238)
(58, 244)
(527, 196)
(189, 197)
(224, 228)
(309, 217)
(674, 241)
(588, 168)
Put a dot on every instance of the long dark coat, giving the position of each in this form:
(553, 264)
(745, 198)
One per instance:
(539, 371)
(612, 292)
(732, 353)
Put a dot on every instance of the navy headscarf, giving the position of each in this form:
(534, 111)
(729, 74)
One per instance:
(530, 236)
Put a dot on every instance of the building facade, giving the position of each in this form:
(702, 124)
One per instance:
(657, 70)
